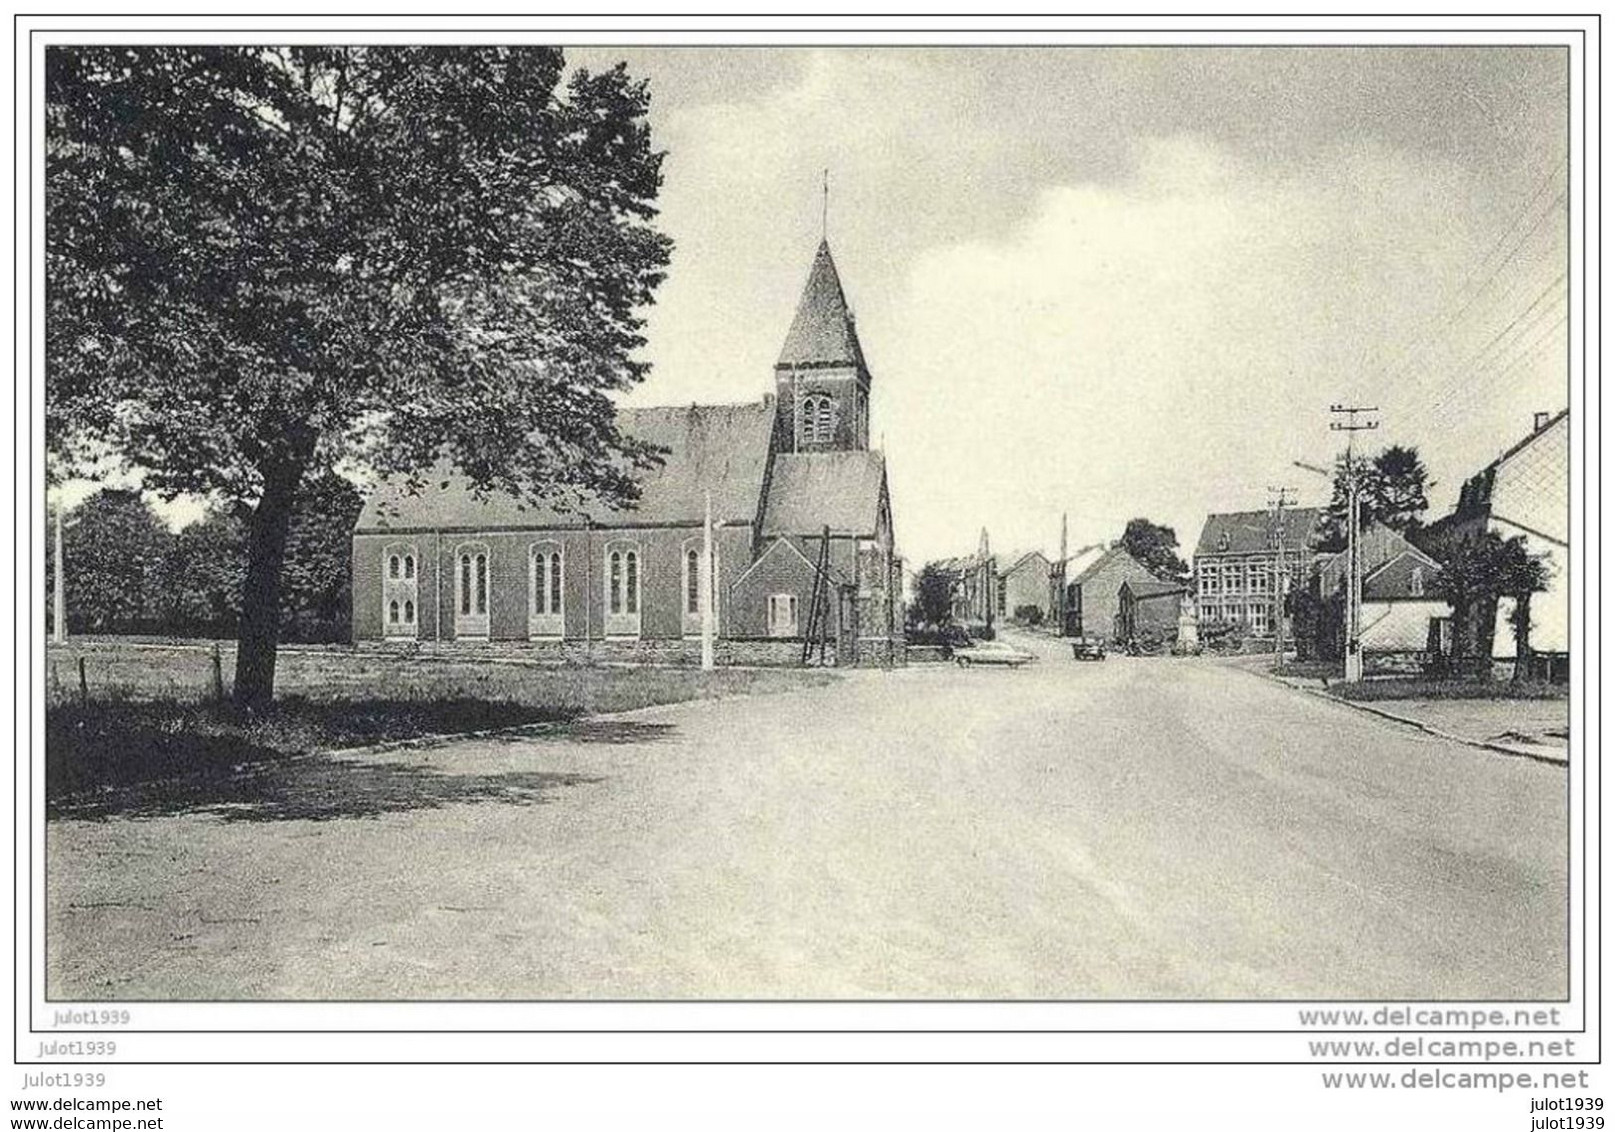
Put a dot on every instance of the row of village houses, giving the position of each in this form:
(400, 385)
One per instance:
(1241, 557)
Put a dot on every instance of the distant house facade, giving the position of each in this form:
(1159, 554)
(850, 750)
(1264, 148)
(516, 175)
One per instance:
(1095, 575)
(1525, 492)
(803, 537)
(1236, 565)
(1023, 580)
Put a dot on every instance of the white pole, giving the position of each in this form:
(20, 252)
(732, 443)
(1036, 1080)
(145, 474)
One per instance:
(59, 634)
(707, 612)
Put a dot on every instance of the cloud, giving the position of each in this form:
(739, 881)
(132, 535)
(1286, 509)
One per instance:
(1161, 346)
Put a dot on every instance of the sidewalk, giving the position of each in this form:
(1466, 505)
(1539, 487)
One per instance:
(1535, 729)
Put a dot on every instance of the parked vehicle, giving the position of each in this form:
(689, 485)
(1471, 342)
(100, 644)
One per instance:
(1088, 648)
(990, 652)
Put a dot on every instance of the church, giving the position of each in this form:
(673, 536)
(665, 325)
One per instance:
(803, 561)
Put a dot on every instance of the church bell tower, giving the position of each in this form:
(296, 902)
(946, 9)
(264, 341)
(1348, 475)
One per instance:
(820, 378)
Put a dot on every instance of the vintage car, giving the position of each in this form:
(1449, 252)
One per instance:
(990, 652)
(1088, 648)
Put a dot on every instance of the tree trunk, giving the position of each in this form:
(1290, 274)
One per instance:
(1522, 637)
(260, 598)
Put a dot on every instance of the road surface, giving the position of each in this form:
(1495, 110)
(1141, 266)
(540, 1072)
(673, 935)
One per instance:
(1136, 829)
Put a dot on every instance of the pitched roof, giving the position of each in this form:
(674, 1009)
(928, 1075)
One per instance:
(822, 333)
(1251, 532)
(1085, 561)
(1009, 563)
(1380, 546)
(721, 448)
(811, 490)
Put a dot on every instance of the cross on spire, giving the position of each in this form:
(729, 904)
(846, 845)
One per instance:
(824, 218)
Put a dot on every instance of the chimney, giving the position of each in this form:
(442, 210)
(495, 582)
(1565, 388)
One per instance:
(1539, 422)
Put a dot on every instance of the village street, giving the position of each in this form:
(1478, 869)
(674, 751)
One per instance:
(1138, 828)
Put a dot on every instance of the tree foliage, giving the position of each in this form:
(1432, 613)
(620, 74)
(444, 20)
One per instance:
(1476, 573)
(1156, 549)
(264, 261)
(1392, 492)
(115, 546)
(128, 573)
(933, 594)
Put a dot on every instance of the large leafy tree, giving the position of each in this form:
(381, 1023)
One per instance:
(262, 261)
(1392, 492)
(1156, 549)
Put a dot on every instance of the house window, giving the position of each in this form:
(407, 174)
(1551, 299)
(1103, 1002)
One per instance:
(1416, 582)
(782, 615)
(1259, 618)
(399, 591)
(692, 582)
(622, 589)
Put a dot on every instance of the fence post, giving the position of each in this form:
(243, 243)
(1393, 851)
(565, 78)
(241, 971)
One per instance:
(84, 684)
(218, 675)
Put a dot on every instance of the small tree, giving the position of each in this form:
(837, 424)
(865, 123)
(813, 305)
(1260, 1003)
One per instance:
(115, 546)
(1156, 549)
(1478, 571)
(1520, 574)
(934, 594)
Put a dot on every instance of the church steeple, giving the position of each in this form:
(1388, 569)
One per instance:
(822, 381)
(823, 332)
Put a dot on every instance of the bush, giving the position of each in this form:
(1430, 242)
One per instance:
(1029, 614)
(1223, 636)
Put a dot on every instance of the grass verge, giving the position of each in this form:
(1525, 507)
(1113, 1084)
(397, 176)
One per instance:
(147, 726)
(1416, 688)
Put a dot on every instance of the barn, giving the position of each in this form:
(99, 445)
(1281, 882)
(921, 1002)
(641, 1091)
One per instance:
(803, 555)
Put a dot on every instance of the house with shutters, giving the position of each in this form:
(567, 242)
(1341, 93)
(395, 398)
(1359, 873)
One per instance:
(801, 518)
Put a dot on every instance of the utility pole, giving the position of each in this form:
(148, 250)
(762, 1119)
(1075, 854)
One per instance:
(1278, 498)
(1354, 564)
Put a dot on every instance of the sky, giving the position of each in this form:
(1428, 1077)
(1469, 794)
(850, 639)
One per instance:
(1112, 282)
(1122, 282)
